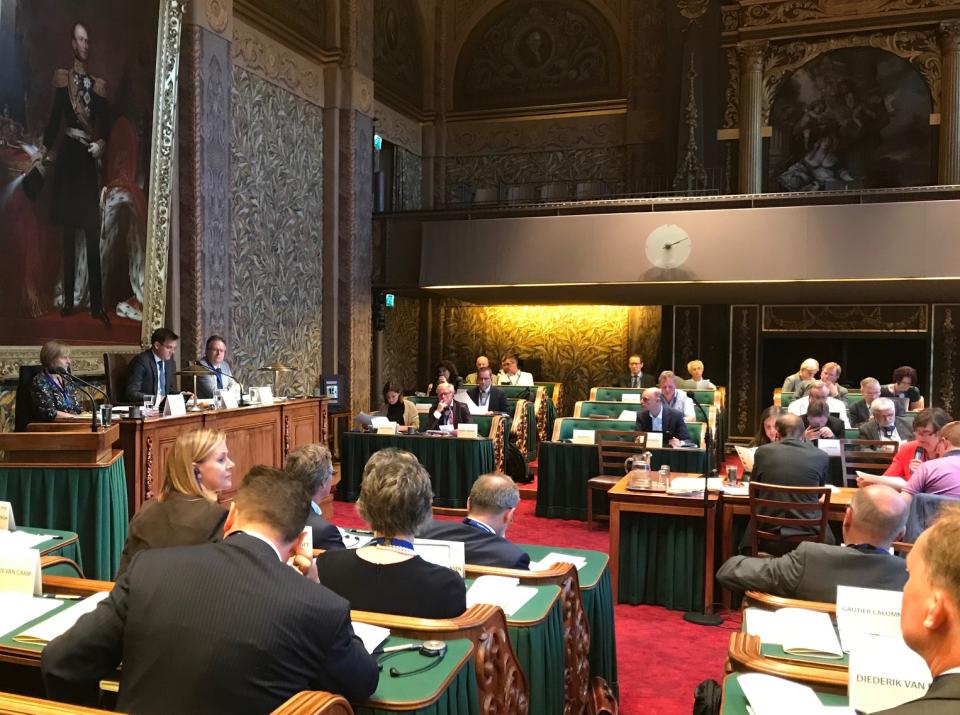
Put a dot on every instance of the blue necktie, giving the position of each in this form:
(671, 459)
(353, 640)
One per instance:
(161, 382)
(219, 378)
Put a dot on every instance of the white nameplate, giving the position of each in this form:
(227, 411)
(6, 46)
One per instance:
(7, 522)
(263, 395)
(628, 416)
(885, 673)
(422, 407)
(655, 440)
(230, 398)
(442, 553)
(387, 428)
(633, 397)
(869, 611)
(583, 436)
(830, 446)
(174, 406)
(20, 571)
(445, 428)
(467, 431)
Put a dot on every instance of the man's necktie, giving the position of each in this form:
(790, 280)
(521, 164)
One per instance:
(633, 381)
(219, 377)
(161, 382)
(888, 432)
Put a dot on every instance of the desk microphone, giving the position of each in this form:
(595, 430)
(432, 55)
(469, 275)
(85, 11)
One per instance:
(93, 401)
(198, 363)
(63, 371)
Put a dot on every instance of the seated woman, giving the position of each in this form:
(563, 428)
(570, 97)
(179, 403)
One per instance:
(54, 395)
(387, 576)
(767, 432)
(397, 409)
(447, 372)
(904, 386)
(185, 512)
(926, 432)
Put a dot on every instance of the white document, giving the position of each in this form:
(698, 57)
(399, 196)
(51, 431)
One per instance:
(20, 571)
(630, 415)
(797, 630)
(746, 457)
(475, 409)
(48, 629)
(632, 397)
(583, 436)
(174, 406)
(734, 491)
(557, 558)
(353, 541)
(19, 608)
(867, 611)
(442, 553)
(770, 695)
(885, 673)
(693, 484)
(830, 446)
(502, 591)
(372, 636)
(467, 431)
(7, 521)
(445, 428)
(21, 540)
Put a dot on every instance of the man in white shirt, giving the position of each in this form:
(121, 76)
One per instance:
(675, 398)
(697, 381)
(511, 374)
(820, 390)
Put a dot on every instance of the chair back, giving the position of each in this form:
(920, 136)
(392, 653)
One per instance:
(616, 446)
(60, 566)
(924, 509)
(115, 371)
(24, 411)
(787, 514)
(865, 455)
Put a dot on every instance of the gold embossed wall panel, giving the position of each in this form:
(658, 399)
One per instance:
(401, 342)
(276, 182)
(580, 346)
(946, 357)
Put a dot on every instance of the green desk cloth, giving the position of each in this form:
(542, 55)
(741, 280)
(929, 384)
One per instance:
(597, 596)
(90, 501)
(460, 696)
(55, 547)
(454, 464)
(565, 468)
(735, 702)
(661, 557)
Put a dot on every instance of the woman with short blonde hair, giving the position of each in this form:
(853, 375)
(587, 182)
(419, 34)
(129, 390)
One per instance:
(53, 394)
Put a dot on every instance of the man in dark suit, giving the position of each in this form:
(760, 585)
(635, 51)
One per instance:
(859, 410)
(657, 417)
(225, 627)
(313, 464)
(820, 424)
(635, 376)
(490, 509)
(930, 614)
(447, 411)
(486, 395)
(884, 423)
(812, 571)
(153, 371)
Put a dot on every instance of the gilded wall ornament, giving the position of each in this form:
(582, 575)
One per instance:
(692, 9)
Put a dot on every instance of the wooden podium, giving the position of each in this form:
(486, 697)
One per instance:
(58, 443)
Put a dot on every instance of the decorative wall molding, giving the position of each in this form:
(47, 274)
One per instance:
(909, 318)
(945, 357)
(267, 58)
(778, 12)
(398, 128)
(744, 381)
(361, 92)
(299, 24)
(546, 134)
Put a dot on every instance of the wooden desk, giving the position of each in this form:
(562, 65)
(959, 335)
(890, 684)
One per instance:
(735, 702)
(652, 506)
(744, 655)
(255, 435)
(732, 506)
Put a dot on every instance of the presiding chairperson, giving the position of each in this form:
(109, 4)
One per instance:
(387, 576)
(398, 409)
(185, 512)
(53, 394)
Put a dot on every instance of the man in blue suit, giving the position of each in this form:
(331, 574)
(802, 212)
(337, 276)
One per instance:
(657, 417)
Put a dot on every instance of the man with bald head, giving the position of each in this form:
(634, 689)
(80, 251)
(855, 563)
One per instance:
(491, 507)
(657, 417)
(873, 521)
(930, 614)
(482, 362)
(808, 370)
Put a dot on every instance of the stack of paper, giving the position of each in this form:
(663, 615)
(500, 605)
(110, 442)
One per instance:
(48, 629)
(557, 558)
(19, 608)
(372, 636)
(797, 630)
(500, 591)
(21, 539)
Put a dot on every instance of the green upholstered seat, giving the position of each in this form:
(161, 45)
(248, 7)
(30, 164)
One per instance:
(596, 408)
(563, 428)
(607, 394)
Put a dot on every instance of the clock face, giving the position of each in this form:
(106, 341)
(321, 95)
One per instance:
(668, 246)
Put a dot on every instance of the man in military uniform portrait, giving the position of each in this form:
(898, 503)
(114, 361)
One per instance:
(80, 107)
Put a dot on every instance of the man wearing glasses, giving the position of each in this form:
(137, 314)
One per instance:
(884, 423)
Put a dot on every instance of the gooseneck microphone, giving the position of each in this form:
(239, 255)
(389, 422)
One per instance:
(198, 363)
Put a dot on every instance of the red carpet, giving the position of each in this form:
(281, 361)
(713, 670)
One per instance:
(661, 658)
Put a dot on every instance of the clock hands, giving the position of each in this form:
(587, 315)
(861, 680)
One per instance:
(668, 246)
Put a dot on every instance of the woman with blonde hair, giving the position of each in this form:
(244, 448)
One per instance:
(185, 512)
(53, 394)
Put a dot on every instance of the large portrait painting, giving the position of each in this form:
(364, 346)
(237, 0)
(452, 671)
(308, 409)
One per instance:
(87, 95)
(851, 118)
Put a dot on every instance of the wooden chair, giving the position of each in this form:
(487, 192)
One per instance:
(615, 446)
(24, 411)
(115, 371)
(60, 566)
(769, 504)
(315, 702)
(769, 602)
(865, 455)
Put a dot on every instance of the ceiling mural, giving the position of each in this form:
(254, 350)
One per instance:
(536, 52)
(396, 61)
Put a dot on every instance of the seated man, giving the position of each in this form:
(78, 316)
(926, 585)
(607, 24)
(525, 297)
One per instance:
(220, 377)
(657, 417)
(511, 374)
(447, 411)
(482, 362)
(941, 475)
(930, 615)
(884, 423)
(677, 399)
(808, 370)
(313, 465)
(820, 424)
(153, 372)
(873, 521)
(635, 376)
(697, 381)
(858, 411)
(485, 395)
(490, 509)
(226, 627)
(830, 376)
(819, 390)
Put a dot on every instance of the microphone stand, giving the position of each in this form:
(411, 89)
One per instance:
(93, 402)
(702, 618)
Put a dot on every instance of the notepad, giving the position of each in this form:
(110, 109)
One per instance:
(19, 608)
(770, 695)
(48, 629)
(22, 540)
(557, 558)
(372, 636)
(798, 631)
(746, 455)
(502, 591)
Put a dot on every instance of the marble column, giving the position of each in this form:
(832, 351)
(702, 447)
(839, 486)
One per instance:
(751, 116)
(949, 159)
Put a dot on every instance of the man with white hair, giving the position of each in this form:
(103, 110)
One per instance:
(819, 390)
(884, 423)
(808, 370)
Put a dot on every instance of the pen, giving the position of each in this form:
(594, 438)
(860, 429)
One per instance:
(62, 597)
